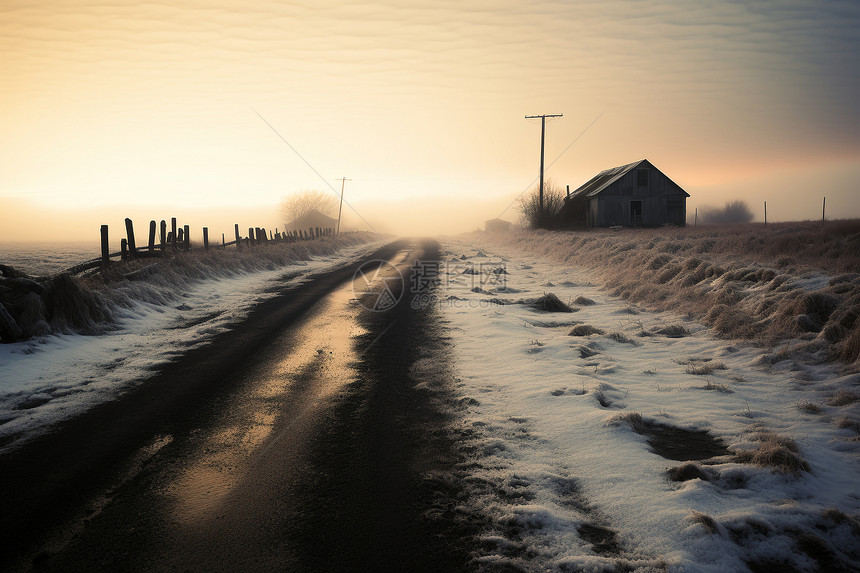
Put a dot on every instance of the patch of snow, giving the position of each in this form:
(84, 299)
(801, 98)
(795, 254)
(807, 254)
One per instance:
(46, 380)
(543, 415)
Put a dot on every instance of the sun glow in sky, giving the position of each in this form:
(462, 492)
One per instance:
(111, 109)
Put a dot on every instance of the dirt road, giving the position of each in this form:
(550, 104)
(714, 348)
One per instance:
(298, 441)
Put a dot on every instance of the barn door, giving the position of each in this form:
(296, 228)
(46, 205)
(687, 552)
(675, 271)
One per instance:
(636, 213)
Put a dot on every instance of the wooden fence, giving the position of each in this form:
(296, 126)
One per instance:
(163, 242)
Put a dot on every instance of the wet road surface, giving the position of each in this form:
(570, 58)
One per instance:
(296, 442)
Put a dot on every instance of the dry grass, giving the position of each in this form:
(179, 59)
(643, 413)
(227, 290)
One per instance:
(584, 330)
(549, 302)
(673, 331)
(623, 338)
(774, 451)
(744, 281)
(843, 397)
(718, 387)
(846, 423)
(632, 419)
(687, 472)
(705, 521)
(808, 407)
(704, 368)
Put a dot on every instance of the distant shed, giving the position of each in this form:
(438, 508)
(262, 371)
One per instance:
(636, 195)
(497, 226)
(311, 220)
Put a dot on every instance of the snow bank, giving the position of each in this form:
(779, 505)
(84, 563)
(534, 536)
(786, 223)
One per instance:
(148, 319)
(569, 480)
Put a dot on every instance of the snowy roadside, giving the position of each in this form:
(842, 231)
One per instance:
(48, 379)
(552, 409)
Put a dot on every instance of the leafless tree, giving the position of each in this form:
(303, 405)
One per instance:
(300, 204)
(733, 212)
(553, 199)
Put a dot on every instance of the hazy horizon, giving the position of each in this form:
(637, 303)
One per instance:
(151, 111)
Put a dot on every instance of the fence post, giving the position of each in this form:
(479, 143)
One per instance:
(187, 237)
(251, 236)
(205, 238)
(173, 232)
(163, 235)
(105, 246)
(238, 238)
(129, 231)
(123, 248)
(151, 237)
(223, 240)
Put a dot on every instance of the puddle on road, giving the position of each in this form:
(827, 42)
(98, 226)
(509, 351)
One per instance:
(316, 363)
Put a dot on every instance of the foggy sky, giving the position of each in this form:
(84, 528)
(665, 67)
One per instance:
(119, 106)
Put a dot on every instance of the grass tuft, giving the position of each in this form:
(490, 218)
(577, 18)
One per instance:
(774, 451)
(623, 338)
(584, 330)
(549, 303)
(847, 423)
(672, 331)
(703, 368)
(843, 397)
(687, 472)
(808, 407)
(705, 521)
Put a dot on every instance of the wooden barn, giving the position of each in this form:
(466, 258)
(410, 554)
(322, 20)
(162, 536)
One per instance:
(635, 195)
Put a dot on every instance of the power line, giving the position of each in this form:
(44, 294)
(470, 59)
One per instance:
(542, 137)
(569, 145)
(272, 127)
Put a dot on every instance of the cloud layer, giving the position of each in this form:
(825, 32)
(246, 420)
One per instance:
(155, 101)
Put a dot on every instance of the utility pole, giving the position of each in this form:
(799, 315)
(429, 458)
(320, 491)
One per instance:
(343, 181)
(542, 137)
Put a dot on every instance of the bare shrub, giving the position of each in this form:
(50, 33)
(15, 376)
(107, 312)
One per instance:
(546, 216)
(299, 204)
(733, 212)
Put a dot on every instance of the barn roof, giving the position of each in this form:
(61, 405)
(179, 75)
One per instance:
(604, 179)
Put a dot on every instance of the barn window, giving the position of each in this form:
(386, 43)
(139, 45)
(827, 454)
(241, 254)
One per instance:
(642, 177)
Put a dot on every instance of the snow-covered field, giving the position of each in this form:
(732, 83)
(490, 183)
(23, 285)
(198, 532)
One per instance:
(48, 379)
(570, 486)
